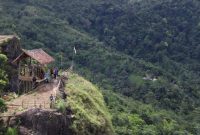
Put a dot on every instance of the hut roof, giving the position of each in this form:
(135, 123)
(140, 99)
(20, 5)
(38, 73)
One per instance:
(5, 38)
(37, 54)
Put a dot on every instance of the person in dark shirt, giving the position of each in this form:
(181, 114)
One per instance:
(51, 97)
(51, 101)
(55, 73)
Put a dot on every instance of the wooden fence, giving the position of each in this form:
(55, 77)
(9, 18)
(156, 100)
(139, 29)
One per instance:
(12, 108)
(35, 104)
(29, 104)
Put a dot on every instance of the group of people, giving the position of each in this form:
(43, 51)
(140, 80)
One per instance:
(48, 75)
(51, 73)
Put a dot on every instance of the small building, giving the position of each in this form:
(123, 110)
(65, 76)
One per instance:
(31, 63)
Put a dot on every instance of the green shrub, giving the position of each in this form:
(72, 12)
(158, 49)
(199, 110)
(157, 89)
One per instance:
(12, 131)
(61, 105)
(3, 107)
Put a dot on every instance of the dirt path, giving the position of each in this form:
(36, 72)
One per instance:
(36, 99)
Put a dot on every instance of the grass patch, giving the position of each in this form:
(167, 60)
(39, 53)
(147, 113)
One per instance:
(11, 131)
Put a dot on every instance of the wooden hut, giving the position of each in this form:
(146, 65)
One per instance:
(31, 63)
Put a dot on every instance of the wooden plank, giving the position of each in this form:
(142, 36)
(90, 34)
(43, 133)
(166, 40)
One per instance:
(24, 87)
(41, 80)
(25, 78)
(12, 105)
(8, 115)
(19, 69)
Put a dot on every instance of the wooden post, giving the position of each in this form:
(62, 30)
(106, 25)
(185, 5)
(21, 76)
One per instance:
(35, 103)
(32, 85)
(25, 86)
(37, 71)
(19, 69)
(28, 86)
(19, 83)
(22, 103)
(22, 87)
(30, 68)
(33, 71)
(30, 61)
(24, 70)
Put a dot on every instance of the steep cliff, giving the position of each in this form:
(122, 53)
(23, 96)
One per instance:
(10, 46)
(44, 122)
(88, 107)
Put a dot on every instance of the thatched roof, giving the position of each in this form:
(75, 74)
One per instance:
(5, 38)
(37, 54)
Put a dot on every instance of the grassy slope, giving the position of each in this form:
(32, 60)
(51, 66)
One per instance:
(86, 101)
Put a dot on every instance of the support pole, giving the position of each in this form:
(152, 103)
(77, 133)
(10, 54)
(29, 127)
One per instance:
(22, 103)
(26, 86)
(34, 103)
(72, 64)
(19, 83)
(19, 69)
(24, 71)
(61, 60)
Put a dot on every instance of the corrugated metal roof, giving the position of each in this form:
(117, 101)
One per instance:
(37, 54)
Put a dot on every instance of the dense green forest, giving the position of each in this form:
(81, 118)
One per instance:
(146, 50)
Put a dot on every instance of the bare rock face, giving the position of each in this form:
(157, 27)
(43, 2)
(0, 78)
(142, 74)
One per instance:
(62, 89)
(11, 48)
(44, 122)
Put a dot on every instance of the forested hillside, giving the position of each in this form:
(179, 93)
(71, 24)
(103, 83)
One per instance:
(147, 50)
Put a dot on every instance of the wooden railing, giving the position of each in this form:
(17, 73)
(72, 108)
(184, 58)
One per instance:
(35, 104)
(24, 106)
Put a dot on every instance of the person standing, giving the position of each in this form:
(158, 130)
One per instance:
(51, 101)
(55, 73)
(47, 76)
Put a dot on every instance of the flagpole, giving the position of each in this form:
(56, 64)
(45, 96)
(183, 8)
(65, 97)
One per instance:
(61, 61)
(72, 61)
(74, 52)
